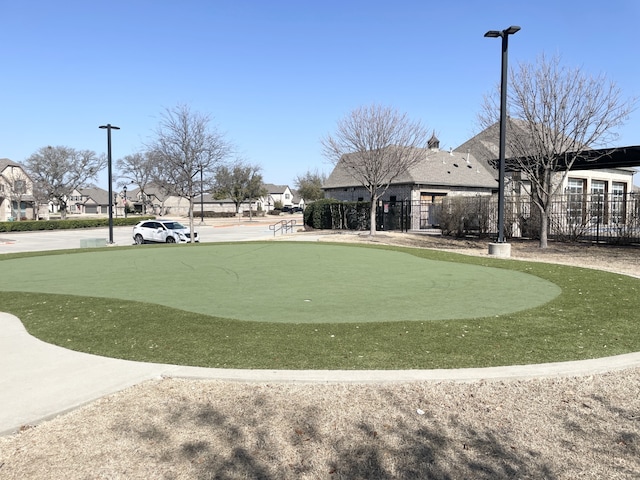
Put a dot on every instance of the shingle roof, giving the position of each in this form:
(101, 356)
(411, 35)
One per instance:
(438, 168)
(5, 162)
(208, 198)
(150, 190)
(98, 195)
(277, 189)
(485, 146)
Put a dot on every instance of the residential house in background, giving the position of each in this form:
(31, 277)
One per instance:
(298, 201)
(438, 175)
(88, 201)
(277, 193)
(16, 192)
(224, 205)
(155, 201)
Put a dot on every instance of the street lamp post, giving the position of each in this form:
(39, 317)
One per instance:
(504, 34)
(201, 198)
(124, 193)
(110, 127)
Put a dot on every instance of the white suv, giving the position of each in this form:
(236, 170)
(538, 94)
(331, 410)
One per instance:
(162, 231)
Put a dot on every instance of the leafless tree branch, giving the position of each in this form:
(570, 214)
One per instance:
(376, 145)
(555, 113)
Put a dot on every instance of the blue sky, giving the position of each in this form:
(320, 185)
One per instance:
(276, 75)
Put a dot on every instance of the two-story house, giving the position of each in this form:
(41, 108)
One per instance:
(88, 200)
(281, 194)
(16, 192)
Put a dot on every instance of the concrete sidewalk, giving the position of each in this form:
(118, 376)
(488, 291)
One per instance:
(40, 381)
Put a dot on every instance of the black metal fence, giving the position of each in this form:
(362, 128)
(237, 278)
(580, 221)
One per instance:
(606, 218)
(599, 218)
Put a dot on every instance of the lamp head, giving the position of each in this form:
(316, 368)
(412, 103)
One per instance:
(507, 31)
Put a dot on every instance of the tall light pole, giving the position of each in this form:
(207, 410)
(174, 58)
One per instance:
(504, 34)
(110, 127)
(201, 198)
(124, 190)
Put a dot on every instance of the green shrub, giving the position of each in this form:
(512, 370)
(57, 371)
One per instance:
(211, 214)
(40, 225)
(330, 214)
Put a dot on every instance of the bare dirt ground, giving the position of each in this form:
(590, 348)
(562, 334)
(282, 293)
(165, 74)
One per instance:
(604, 257)
(562, 428)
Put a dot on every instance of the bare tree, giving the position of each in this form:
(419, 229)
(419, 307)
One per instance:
(186, 146)
(57, 171)
(376, 145)
(137, 169)
(556, 114)
(239, 182)
(309, 185)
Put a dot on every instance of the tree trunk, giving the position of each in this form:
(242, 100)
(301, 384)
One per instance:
(544, 227)
(372, 217)
(193, 235)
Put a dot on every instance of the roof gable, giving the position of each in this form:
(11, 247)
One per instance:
(276, 189)
(6, 163)
(98, 195)
(437, 168)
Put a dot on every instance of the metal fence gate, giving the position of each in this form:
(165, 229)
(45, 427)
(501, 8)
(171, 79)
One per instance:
(394, 215)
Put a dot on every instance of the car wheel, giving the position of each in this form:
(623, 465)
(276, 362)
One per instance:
(170, 239)
(138, 239)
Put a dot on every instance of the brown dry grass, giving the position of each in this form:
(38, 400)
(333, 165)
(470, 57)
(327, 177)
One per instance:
(564, 428)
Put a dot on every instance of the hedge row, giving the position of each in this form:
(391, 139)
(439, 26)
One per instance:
(329, 214)
(36, 225)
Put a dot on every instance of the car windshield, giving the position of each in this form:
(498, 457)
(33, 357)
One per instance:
(174, 225)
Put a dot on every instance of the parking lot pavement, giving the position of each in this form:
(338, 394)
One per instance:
(223, 230)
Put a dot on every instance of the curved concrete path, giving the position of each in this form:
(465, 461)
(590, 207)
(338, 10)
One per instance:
(39, 381)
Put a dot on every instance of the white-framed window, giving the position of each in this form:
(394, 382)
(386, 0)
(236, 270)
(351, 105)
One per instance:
(598, 201)
(575, 200)
(618, 202)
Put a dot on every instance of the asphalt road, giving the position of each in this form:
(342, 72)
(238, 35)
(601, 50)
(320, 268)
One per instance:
(222, 230)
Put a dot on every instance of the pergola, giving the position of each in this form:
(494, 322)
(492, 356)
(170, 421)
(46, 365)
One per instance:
(618, 157)
(597, 159)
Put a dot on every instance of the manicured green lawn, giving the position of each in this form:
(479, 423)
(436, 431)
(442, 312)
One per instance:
(299, 305)
(278, 282)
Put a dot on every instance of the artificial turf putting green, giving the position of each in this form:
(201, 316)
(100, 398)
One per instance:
(284, 282)
(596, 314)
